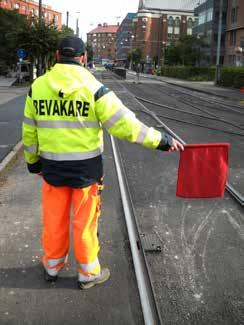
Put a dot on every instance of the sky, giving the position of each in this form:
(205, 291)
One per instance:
(92, 12)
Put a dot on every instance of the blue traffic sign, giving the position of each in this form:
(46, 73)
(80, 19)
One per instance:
(21, 53)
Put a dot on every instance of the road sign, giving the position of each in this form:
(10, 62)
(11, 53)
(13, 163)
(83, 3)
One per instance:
(21, 53)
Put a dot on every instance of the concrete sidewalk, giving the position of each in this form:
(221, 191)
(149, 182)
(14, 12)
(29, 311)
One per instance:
(6, 82)
(25, 298)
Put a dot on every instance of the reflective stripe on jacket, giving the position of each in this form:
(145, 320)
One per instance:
(65, 112)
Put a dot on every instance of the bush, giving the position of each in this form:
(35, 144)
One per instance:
(3, 69)
(189, 73)
(231, 77)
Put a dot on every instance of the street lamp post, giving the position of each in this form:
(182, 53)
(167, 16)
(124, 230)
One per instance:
(159, 41)
(77, 24)
(131, 44)
(217, 74)
(39, 60)
(163, 53)
(67, 19)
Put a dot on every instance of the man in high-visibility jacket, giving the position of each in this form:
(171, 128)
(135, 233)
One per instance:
(65, 111)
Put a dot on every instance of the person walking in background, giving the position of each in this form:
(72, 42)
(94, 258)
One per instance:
(138, 70)
(65, 111)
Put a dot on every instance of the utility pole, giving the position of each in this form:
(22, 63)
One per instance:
(39, 60)
(67, 19)
(77, 24)
(217, 74)
(159, 41)
(40, 11)
(77, 27)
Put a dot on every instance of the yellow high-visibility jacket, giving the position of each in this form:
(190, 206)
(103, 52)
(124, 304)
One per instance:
(65, 112)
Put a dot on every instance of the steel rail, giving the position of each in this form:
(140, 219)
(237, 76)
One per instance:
(149, 306)
(234, 193)
(195, 93)
(215, 118)
(191, 94)
(231, 190)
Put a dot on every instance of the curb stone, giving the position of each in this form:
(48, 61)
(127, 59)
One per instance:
(11, 157)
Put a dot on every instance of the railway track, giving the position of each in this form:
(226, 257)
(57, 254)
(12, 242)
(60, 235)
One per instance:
(231, 190)
(150, 309)
(208, 116)
(153, 311)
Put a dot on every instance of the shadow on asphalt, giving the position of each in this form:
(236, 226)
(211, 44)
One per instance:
(32, 278)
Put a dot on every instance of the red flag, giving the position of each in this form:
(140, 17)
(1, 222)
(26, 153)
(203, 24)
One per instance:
(203, 170)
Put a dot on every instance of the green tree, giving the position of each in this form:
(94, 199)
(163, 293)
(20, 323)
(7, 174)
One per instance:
(38, 38)
(172, 55)
(188, 51)
(41, 41)
(11, 23)
(136, 56)
(66, 31)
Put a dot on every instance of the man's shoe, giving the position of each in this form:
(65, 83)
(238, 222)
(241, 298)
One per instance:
(104, 276)
(48, 277)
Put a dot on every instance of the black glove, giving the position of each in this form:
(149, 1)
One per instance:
(165, 143)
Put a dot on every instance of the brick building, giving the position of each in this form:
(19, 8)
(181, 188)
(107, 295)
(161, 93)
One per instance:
(124, 38)
(234, 49)
(103, 42)
(158, 24)
(31, 8)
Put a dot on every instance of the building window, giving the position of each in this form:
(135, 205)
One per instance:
(234, 14)
(177, 30)
(209, 14)
(242, 42)
(189, 31)
(190, 23)
(205, 16)
(201, 18)
(177, 22)
(232, 59)
(171, 21)
(233, 37)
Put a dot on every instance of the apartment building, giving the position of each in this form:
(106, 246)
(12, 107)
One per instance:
(234, 49)
(124, 40)
(31, 8)
(103, 42)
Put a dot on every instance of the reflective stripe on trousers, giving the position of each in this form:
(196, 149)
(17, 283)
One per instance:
(56, 204)
(54, 265)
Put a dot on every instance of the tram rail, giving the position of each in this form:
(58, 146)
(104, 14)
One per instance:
(234, 193)
(147, 296)
(231, 190)
(146, 288)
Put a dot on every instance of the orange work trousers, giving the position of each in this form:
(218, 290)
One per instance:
(56, 204)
